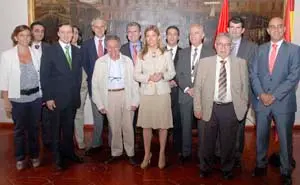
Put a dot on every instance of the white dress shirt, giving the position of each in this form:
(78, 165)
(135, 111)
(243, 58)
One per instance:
(96, 39)
(236, 45)
(228, 97)
(174, 50)
(37, 48)
(115, 74)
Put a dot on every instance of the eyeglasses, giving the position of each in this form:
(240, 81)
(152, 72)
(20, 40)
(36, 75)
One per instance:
(223, 44)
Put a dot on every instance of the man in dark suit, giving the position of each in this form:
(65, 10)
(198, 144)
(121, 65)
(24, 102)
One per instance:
(185, 75)
(132, 49)
(134, 44)
(39, 46)
(92, 49)
(274, 76)
(246, 50)
(172, 39)
(60, 81)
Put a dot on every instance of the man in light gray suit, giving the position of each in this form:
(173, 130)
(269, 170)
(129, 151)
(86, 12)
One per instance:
(220, 102)
(185, 71)
(274, 76)
(246, 50)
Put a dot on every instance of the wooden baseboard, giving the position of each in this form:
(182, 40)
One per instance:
(7, 125)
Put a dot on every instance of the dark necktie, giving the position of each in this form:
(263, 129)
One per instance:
(36, 46)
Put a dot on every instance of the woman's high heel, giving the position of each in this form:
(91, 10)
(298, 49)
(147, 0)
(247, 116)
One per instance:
(146, 162)
(162, 162)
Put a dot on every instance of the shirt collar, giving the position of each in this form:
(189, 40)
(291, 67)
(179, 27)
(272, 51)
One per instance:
(227, 59)
(138, 43)
(63, 45)
(277, 43)
(97, 38)
(174, 47)
(198, 48)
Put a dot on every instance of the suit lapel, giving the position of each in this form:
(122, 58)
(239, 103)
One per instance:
(233, 73)
(93, 51)
(62, 60)
(266, 57)
(212, 75)
(241, 49)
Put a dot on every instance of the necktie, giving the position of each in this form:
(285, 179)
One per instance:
(272, 58)
(172, 54)
(68, 56)
(100, 49)
(222, 82)
(193, 65)
(36, 46)
(233, 48)
(135, 54)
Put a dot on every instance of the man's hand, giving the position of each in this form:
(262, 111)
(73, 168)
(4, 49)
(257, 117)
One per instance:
(198, 115)
(172, 83)
(267, 99)
(8, 108)
(190, 91)
(103, 111)
(51, 105)
(133, 108)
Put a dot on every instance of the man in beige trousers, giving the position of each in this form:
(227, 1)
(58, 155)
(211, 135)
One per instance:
(116, 94)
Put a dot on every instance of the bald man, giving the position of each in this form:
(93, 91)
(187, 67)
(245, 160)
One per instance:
(187, 62)
(274, 77)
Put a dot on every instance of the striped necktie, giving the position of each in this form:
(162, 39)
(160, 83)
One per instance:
(68, 56)
(222, 82)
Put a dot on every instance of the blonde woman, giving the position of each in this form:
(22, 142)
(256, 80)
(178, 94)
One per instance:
(153, 70)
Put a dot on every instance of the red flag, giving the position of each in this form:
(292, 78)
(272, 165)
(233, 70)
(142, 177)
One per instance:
(289, 20)
(223, 19)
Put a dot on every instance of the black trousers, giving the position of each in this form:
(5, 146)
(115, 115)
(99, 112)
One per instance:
(46, 127)
(177, 129)
(26, 117)
(223, 122)
(62, 124)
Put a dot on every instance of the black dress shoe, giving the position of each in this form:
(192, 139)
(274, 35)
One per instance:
(76, 159)
(286, 179)
(204, 174)
(111, 159)
(259, 172)
(228, 175)
(132, 160)
(92, 150)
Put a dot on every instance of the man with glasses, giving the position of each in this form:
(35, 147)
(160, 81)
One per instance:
(116, 94)
(220, 105)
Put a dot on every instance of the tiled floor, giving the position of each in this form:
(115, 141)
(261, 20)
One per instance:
(95, 172)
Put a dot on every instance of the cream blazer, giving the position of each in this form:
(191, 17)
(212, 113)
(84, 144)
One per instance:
(100, 83)
(10, 71)
(154, 64)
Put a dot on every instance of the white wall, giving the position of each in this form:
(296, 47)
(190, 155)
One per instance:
(12, 13)
(296, 40)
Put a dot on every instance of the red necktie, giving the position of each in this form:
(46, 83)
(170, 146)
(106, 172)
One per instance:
(100, 49)
(135, 54)
(272, 58)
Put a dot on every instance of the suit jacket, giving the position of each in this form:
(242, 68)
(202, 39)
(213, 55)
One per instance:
(247, 51)
(89, 57)
(183, 70)
(283, 80)
(100, 83)
(148, 66)
(204, 88)
(58, 81)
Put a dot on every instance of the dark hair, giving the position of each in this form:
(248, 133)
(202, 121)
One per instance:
(237, 20)
(112, 37)
(79, 41)
(17, 30)
(64, 24)
(36, 23)
(133, 24)
(173, 27)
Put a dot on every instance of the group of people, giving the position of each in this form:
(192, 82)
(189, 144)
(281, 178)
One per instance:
(155, 87)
